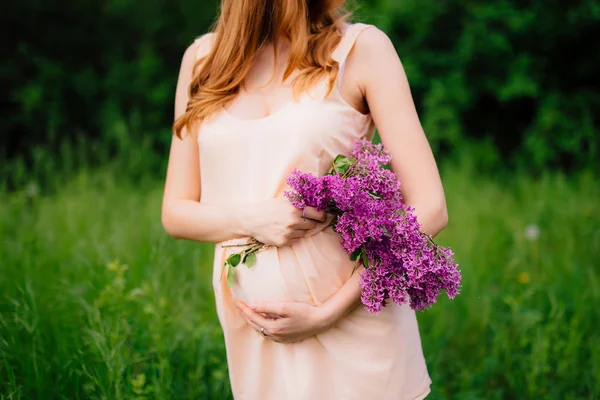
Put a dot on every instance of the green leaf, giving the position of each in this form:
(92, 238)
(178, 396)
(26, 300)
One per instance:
(365, 261)
(400, 211)
(355, 254)
(339, 159)
(230, 275)
(341, 164)
(250, 260)
(374, 195)
(386, 232)
(234, 259)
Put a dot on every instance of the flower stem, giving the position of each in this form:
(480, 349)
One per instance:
(253, 242)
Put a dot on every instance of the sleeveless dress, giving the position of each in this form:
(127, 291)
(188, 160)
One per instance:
(364, 356)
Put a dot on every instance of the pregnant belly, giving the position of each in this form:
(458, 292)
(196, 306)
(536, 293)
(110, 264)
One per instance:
(310, 270)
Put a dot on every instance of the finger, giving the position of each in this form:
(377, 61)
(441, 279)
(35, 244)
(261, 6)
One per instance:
(253, 324)
(293, 235)
(273, 327)
(273, 308)
(252, 315)
(271, 316)
(297, 234)
(304, 223)
(313, 213)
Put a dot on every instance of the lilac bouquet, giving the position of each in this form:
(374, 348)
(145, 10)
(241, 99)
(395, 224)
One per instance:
(377, 229)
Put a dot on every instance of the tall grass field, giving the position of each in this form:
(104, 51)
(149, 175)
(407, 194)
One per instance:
(97, 302)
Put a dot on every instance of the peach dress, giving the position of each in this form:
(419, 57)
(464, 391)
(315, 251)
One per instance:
(364, 356)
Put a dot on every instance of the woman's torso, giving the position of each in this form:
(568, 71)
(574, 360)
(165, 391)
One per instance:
(243, 160)
(247, 158)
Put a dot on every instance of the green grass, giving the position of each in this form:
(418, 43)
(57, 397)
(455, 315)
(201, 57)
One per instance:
(96, 301)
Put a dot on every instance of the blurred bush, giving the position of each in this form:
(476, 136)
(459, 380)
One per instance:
(515, 83)
(81, 71)
(519, 78)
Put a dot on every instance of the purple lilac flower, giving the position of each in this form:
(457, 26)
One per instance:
(404, 264)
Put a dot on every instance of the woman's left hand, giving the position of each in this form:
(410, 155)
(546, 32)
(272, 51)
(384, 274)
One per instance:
(286, 322)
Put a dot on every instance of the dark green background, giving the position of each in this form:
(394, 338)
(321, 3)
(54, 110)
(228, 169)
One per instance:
(514, 82)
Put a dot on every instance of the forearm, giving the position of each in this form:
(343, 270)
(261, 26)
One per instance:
(432, 216)
(192, 220)
(345, 300)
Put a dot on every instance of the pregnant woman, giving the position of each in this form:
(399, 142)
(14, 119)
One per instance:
(278, 85)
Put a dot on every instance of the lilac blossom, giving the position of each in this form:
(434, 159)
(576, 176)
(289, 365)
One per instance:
(377, 228)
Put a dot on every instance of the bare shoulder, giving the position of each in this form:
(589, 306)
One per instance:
(375, 58)
(205, 38)
(204, 42)
(199, 48)
(374, 42)
(190, 53)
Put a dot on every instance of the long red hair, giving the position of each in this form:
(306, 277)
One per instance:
(241, 29)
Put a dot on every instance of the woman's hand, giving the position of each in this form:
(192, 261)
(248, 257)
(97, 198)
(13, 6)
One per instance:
(290, 322)
(286, 322)
(277, 222)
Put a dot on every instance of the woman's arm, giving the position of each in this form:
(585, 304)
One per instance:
(385, 87)
(183, 216)
(379, 74)
(272, 221)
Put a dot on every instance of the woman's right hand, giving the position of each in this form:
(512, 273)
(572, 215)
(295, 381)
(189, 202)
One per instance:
(277, 222)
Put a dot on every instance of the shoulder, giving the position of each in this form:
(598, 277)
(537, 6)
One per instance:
(364, 39)
(203, 44)
(372, 41)
(199, 48)
(374, 55)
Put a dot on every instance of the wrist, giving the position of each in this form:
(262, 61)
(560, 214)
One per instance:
(344, 301)
(240, 216)
(330, 314)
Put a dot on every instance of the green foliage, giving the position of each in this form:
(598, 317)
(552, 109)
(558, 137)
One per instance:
(515, 82)
(98, 302)
(246, 256)
(80, 71)
(341, 164)
(517, 77)
(234, 259)
(250, 260)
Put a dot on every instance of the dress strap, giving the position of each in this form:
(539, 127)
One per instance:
(340, 54)
(203, 44)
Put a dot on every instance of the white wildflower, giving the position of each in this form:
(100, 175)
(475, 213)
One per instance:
(532, 232)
